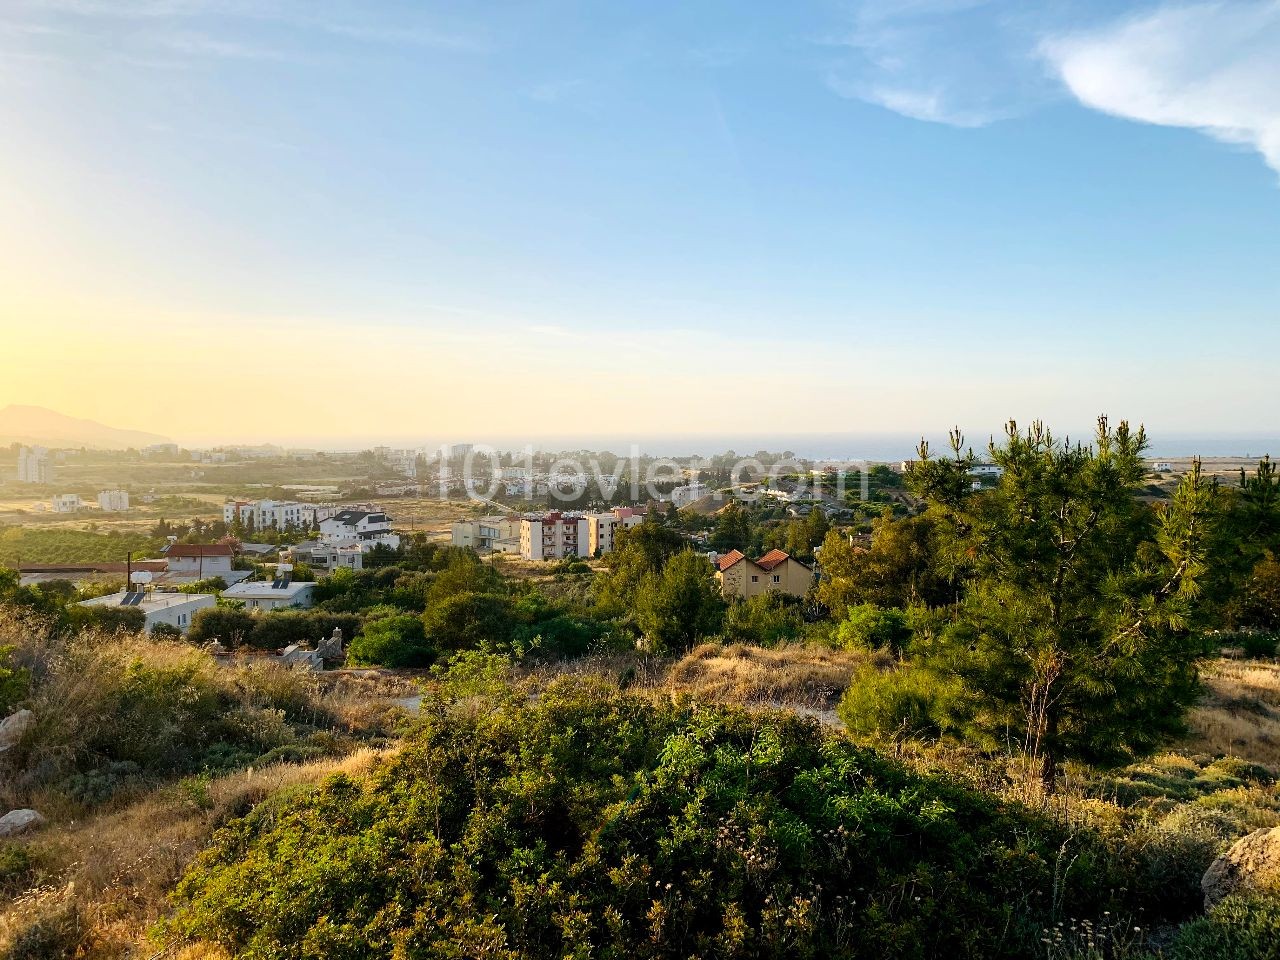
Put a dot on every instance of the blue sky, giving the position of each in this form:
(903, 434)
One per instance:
(894, 215)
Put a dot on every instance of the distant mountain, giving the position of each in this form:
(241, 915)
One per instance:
(48, 428)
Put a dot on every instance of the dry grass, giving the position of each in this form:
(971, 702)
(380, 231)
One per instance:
(1241, 714)
(106, 879)
(794, 676)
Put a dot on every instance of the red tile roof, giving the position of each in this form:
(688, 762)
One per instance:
(730, 558)
(198, 550)
(772, 559)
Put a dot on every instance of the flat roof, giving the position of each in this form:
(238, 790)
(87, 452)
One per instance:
(150, 601)
(265, 591)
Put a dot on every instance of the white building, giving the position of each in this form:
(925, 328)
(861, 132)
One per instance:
(554, 536)
(277, 514)
(33, 465)
(174, 609)
(1161, 466)
(367, 528)
(161, 450)
(66, 502)
(113, 501)
(687, 494)
(329, 557)
(276, 595)
(198, 560)
(989, 471)
(481, 533)
(603, 528)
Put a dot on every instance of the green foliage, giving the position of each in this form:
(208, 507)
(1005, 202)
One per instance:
(269, 631)
(895, 704)
(766, 619)
(393, 641)
(1075, 633)
(60, 545)
(681, 605)
(868, 627)
(466, 621)
(593, 824)
(14, 682)
(900, 568)
(1238, 928)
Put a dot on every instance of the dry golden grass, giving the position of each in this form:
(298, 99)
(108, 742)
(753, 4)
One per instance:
(107, 878)
(1240, 716)
(794, 675)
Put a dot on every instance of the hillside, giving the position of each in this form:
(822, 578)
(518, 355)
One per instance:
(48, 428)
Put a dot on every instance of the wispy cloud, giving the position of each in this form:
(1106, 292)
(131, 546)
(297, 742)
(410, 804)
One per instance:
(201, 45)
(1213, 67)
(361, 23)
(966, 63)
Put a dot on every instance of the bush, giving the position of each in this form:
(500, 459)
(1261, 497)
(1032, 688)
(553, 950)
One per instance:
(1238, 928)
(901, 703)
(766, 620)
(228, 625)
(13, 682)
(394, 641)
(282, 628)
(589, 823)
(868, 627)
(469, 621)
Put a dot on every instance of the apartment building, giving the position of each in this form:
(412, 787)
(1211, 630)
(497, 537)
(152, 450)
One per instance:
(554, 536)
(280, 514)
(34, 466)
(603, 528)
(113, 501)
(684, 495)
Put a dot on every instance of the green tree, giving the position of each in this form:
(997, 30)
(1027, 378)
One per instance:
(732, 530)
(681, 605)
(395, 641)
(1076, 632)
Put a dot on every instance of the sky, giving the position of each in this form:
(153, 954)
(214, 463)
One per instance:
(336, 222)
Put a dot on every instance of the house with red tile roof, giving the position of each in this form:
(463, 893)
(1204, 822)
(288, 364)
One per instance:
(775, 572)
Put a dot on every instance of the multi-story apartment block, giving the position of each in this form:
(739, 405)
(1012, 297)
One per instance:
(34, 466)
(554, 536)
(685, 495)
(603, 528)
(281, 514)
(113, 501)
(66, 502)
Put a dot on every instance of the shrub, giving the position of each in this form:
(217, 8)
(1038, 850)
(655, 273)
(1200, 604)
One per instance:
(282, 628)
(13, 682)
(868, 627)
(901, 703)
(1237, 928)
(767, 620)
(227, 625)
(469, 621)
(394, 641)
(590, 823)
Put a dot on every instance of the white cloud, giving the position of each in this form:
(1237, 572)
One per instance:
(960, 62)
(1213, 67)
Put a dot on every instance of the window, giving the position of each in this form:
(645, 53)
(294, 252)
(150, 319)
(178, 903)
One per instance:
(754, 578)
(777, 579)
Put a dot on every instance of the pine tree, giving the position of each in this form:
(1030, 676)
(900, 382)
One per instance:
(1075, 633)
